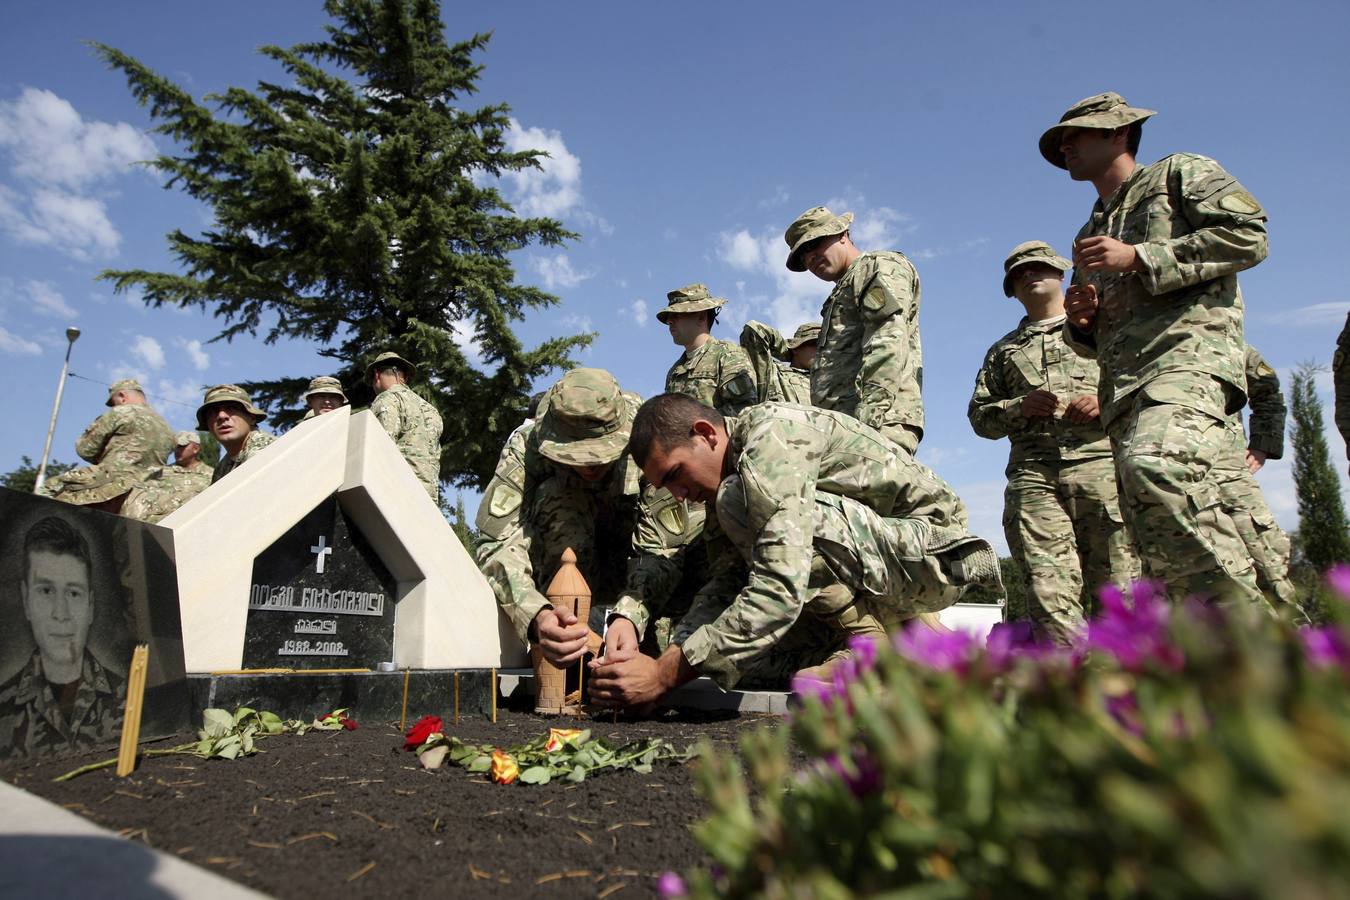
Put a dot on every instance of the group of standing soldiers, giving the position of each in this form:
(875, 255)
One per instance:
(127, 446)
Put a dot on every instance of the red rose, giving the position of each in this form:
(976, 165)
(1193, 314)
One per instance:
(423, 729)
(349, 724)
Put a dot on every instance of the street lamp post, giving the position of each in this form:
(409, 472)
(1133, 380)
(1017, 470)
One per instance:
(72, 334)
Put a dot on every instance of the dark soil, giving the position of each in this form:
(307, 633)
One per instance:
(352, 811)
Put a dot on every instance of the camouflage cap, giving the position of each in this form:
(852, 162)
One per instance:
(324, 384)
(183, 438)
(1107, 110)
(586, 419)
(816, 222)
(122, 384)
(227, 393)
(1031, 252)
(390, 358)
(688, 299)
(804, 334)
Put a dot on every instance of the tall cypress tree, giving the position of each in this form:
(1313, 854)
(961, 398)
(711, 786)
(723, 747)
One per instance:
(1321, 515)
(355, 206)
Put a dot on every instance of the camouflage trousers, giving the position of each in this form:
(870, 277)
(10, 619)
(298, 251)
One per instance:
(906, 436)
(1174, 461)
(1063, 523)
(1265, 540)
(151, 501)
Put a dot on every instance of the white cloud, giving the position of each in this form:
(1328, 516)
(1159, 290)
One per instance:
(462, 333)
(556, 272)
(1319, 315)
(552, 190)
(793, 298)
(148, 351)
(74, 224)
(578, 322)
(199, 358)
(47, 300)
(47, 141)
(637, 310)
(12, 343)
(741, 250)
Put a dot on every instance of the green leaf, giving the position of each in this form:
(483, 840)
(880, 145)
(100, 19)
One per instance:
(217, 722)
(536, 775)
(480, 763)
(577, 774)
(271, 723)
(241, 713)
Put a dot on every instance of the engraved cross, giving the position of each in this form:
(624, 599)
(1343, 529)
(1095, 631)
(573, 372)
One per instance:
(321, 551)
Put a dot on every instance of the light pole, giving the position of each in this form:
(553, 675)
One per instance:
(72, 334)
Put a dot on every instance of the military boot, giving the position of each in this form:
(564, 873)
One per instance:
(836, 606)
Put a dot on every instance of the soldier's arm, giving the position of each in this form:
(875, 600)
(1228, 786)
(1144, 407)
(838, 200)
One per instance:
(90, 444)
(503, 553)
(665, 527)
(1265, 426)
(993, 412)
(763, 346)
(1340, 372)
(1229, 230)
(389, 414)
(887, 303)
(736, 387)
(780, 494)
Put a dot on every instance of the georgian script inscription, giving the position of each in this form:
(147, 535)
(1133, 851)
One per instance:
(316, 600)
(316, 626)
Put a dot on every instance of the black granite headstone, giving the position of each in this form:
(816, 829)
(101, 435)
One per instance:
(79, 588)
(320, 598)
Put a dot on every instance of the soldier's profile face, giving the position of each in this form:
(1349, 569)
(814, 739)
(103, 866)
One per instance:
(322, 403)
(684, 327)
(1088, 152)
(826, 257)
(690, 471)
(1036, 280)
(184, 454)
(803, 356)
(592, 473)
(229, 421)
(58, 605)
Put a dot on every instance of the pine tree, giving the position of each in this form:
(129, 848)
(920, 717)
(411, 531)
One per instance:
(25, 476)
(1321, 514)
(354, 205)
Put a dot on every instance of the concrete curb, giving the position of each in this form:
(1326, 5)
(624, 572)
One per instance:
(50, 852)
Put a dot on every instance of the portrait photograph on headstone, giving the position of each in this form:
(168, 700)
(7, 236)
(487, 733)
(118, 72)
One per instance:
(79, 589)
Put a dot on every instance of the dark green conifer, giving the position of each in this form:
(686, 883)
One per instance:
(1322, 525)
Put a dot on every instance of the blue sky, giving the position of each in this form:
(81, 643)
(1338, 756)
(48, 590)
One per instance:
(685, 138)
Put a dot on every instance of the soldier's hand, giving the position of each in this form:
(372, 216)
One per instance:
(1083, 408)
(621, 641)
(623, 683)
(561, 637)
(1038, 404)
(1105, 254)
(1080, 305)
(1255, 460)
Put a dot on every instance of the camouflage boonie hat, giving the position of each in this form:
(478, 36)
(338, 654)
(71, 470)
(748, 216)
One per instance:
(804, 334)
(586, 419)
(390, 358)
(1107, 110)
(122, 384)
(688, 299)
(1031, 252)
(227, 393)
(183, 438)
(816, 222)
(324, 384)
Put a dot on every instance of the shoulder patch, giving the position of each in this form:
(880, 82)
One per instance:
(1240, 202)
(505, 500)
(1264, 370)
(671, 517)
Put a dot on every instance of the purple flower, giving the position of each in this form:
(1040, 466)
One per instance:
(1135, 631)
(860, 773)
(1326, 647)
(1338, 577)
(810, 686)
(1124, 708)
(671, 885)
(945, 651)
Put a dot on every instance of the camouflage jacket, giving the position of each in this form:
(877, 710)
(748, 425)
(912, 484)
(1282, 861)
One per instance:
(1340, 371)
(415, 426)
(717, 374)
(1034, 356)
(164, 490)
(1265, 424)
(1194, 228)
(776, 381)
(869, 360)
(129, 437)
(31, 715)
(661, 526)
(784, 455)
(255, 441)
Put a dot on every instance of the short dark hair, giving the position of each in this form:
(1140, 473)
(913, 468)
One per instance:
(55, 535)
(668, 420)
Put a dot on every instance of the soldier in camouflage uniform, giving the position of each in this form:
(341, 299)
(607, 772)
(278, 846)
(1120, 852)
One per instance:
(1266, 542)
(228, 412)
(869, 361)
(324, 394)
(62, 698)
(565, 481)
(1156, 301)
(411, 421)
(124, 444)
(169, 487)
(804, 498)
(1060, 512)
(711, 371)
(782, 367)
(1340, 371)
